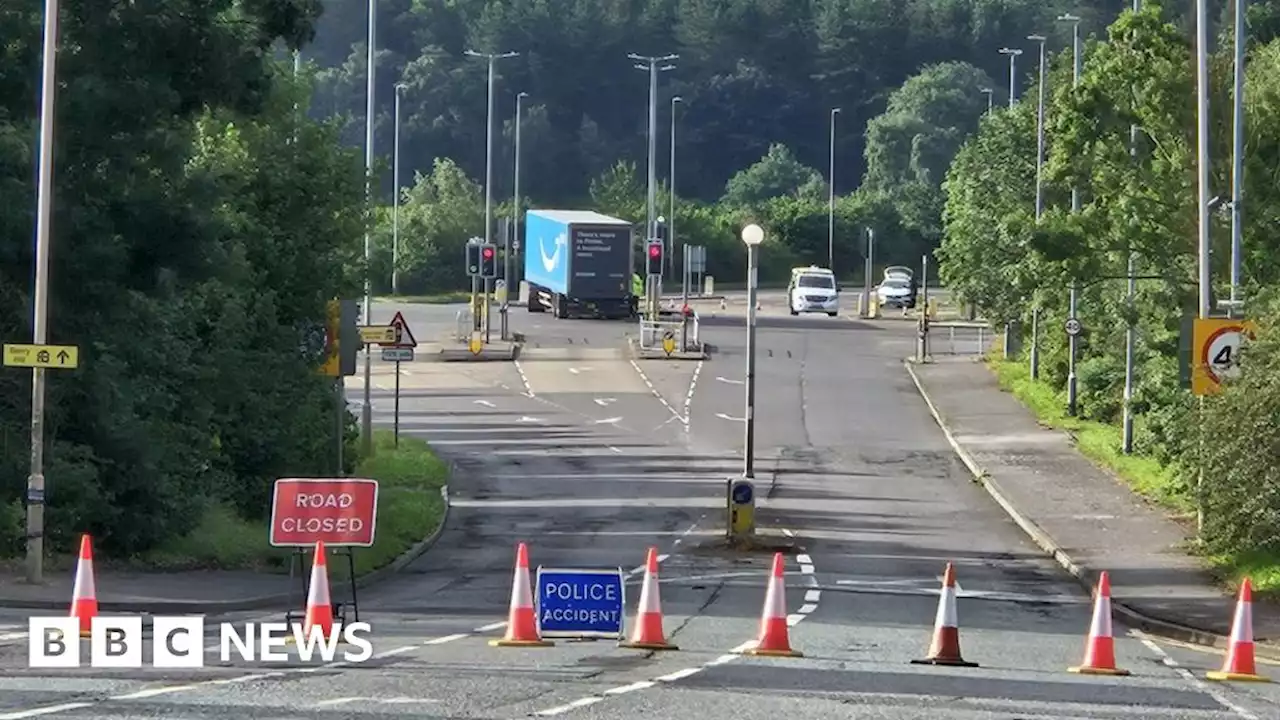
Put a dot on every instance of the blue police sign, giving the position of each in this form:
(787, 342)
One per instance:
(581, 603)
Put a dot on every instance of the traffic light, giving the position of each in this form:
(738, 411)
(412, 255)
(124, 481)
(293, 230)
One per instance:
(473, 260)
(488, 261)
(653, 261)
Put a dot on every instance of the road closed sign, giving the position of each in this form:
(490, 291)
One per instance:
(340, 512)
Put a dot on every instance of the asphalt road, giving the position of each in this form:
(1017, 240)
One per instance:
(592, 459)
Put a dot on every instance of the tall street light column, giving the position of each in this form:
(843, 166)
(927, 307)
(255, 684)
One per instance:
(653, 65)
(366, 408)
(44, 216)
(395, 206)
(1237, 156)
(671, 211)
(492, 58)
(1035, 305)
(752, 236)
(831, 196)
(1072, 345)
(1204, 195)
(515, 212)
(1013, 54)
(1131, 332)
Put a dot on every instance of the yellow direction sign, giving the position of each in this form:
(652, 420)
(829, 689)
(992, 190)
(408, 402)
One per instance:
(58, 357)
(1215, 352)
(379, 334)
(669, 342)
(477, 344)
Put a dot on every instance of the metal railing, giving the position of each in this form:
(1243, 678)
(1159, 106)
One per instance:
(463, 324)
(960, 338)
(682, 330)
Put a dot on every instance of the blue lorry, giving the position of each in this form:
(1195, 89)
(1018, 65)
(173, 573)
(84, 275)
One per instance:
(579, 263)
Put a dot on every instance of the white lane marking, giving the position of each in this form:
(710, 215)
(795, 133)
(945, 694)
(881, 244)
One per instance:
(689, 531)
(688, 397)
(50, 710)
(730, 418)
(397, 651)
(337, 701)
(491, 626)
(731, 382)
(617, 450)
(649, 383)
(445, 639)
(1187, 675)
(153, 692)
(605, 402)
(606, 421)
(527, 419)
(575, 371)
(637, 570)
(524, 379)
(810, 606)
(485, 403)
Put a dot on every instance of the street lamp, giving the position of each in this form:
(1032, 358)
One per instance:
(1072, 298)
(831, 196)
(990, 93)
(1013, 54)
(653, 65)
(515, 224)
(395, 207)
(671, 209)
(488, 180)
(366, 410)
(752, 236)
(1035, 307)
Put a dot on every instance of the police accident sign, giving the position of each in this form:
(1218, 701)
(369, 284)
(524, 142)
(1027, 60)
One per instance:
(581, 603)
(340, 512)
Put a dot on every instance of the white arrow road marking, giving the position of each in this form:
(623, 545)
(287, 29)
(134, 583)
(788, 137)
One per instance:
(605, 402)
(608, 421)
(730, 418)
(485, 403)
(731, 382)
(527, 419)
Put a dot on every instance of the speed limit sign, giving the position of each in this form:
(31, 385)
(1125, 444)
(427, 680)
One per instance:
(1217, 343)
(1073, 327)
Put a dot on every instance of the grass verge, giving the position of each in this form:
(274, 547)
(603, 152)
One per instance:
(449, 298)
(1102, 443)
(410, 508)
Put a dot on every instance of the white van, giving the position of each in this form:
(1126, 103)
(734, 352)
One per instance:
(813, 290)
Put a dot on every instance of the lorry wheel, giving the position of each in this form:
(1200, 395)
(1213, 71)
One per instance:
(831, 314)
(795, 312)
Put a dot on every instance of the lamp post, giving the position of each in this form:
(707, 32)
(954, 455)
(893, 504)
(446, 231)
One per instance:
(752, 236)
(1237, 156)
(653, 65)
(395, 206)
(366, 409)
(671, 210)
(1035, 307)
(1013, 54)
(515, 222)
(1130, 333)
(44, 215)
(1072, 345)
(990, 93)
(831, 196)
(488, 175)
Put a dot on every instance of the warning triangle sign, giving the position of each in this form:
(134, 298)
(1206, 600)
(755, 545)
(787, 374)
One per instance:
(403, 333)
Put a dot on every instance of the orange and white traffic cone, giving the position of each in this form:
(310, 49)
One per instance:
(1239, 664)
(319, 604)
(84, 596)
(775, 637)
(522, 623)
(648, 634)
(945, 648)
(1100, 648)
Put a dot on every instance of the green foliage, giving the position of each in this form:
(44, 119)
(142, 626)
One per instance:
(200, 223)
(1137, 196)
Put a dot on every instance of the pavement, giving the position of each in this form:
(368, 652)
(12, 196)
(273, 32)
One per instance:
(592, 458)
(1081, 512)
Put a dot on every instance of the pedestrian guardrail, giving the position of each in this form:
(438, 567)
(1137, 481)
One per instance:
(680, 331)
(960, 338)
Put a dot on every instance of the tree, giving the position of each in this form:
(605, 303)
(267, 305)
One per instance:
(777, 174)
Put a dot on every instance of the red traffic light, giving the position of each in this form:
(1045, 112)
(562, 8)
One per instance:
(655, 250)
(488, 253)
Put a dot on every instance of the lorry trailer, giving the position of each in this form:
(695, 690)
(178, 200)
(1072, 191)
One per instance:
(579, 263)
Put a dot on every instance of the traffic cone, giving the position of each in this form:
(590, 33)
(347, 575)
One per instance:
(1239, 664)
(84, 596)
(775, 639)
(522, 623)
(648, 634)
(945, 648)
(319, 604)
(1100, 648)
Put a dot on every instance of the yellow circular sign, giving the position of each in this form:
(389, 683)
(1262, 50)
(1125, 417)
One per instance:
(669, 342)
(476, 345)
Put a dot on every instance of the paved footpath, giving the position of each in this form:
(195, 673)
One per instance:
(1087, 517)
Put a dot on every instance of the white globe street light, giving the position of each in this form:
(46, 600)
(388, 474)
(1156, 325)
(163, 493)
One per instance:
(752, 235)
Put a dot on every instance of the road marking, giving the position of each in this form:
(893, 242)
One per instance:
(610, 447)
(690, 530)
(153, 692)
(1187, 675)
(50, 710)
(730, 418)
(485, 403)
(606, 421)
(688, 397)
(605, 402)
(649, 383)
(640, 569)
(810, 606)
(731, 382)
(491, 627)
(524, 379)
(527, 419)
(337, 701)
(446, 638)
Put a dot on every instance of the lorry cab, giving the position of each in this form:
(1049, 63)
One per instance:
(813, 289)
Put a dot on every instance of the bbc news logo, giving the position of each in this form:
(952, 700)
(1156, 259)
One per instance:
(179, 642)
